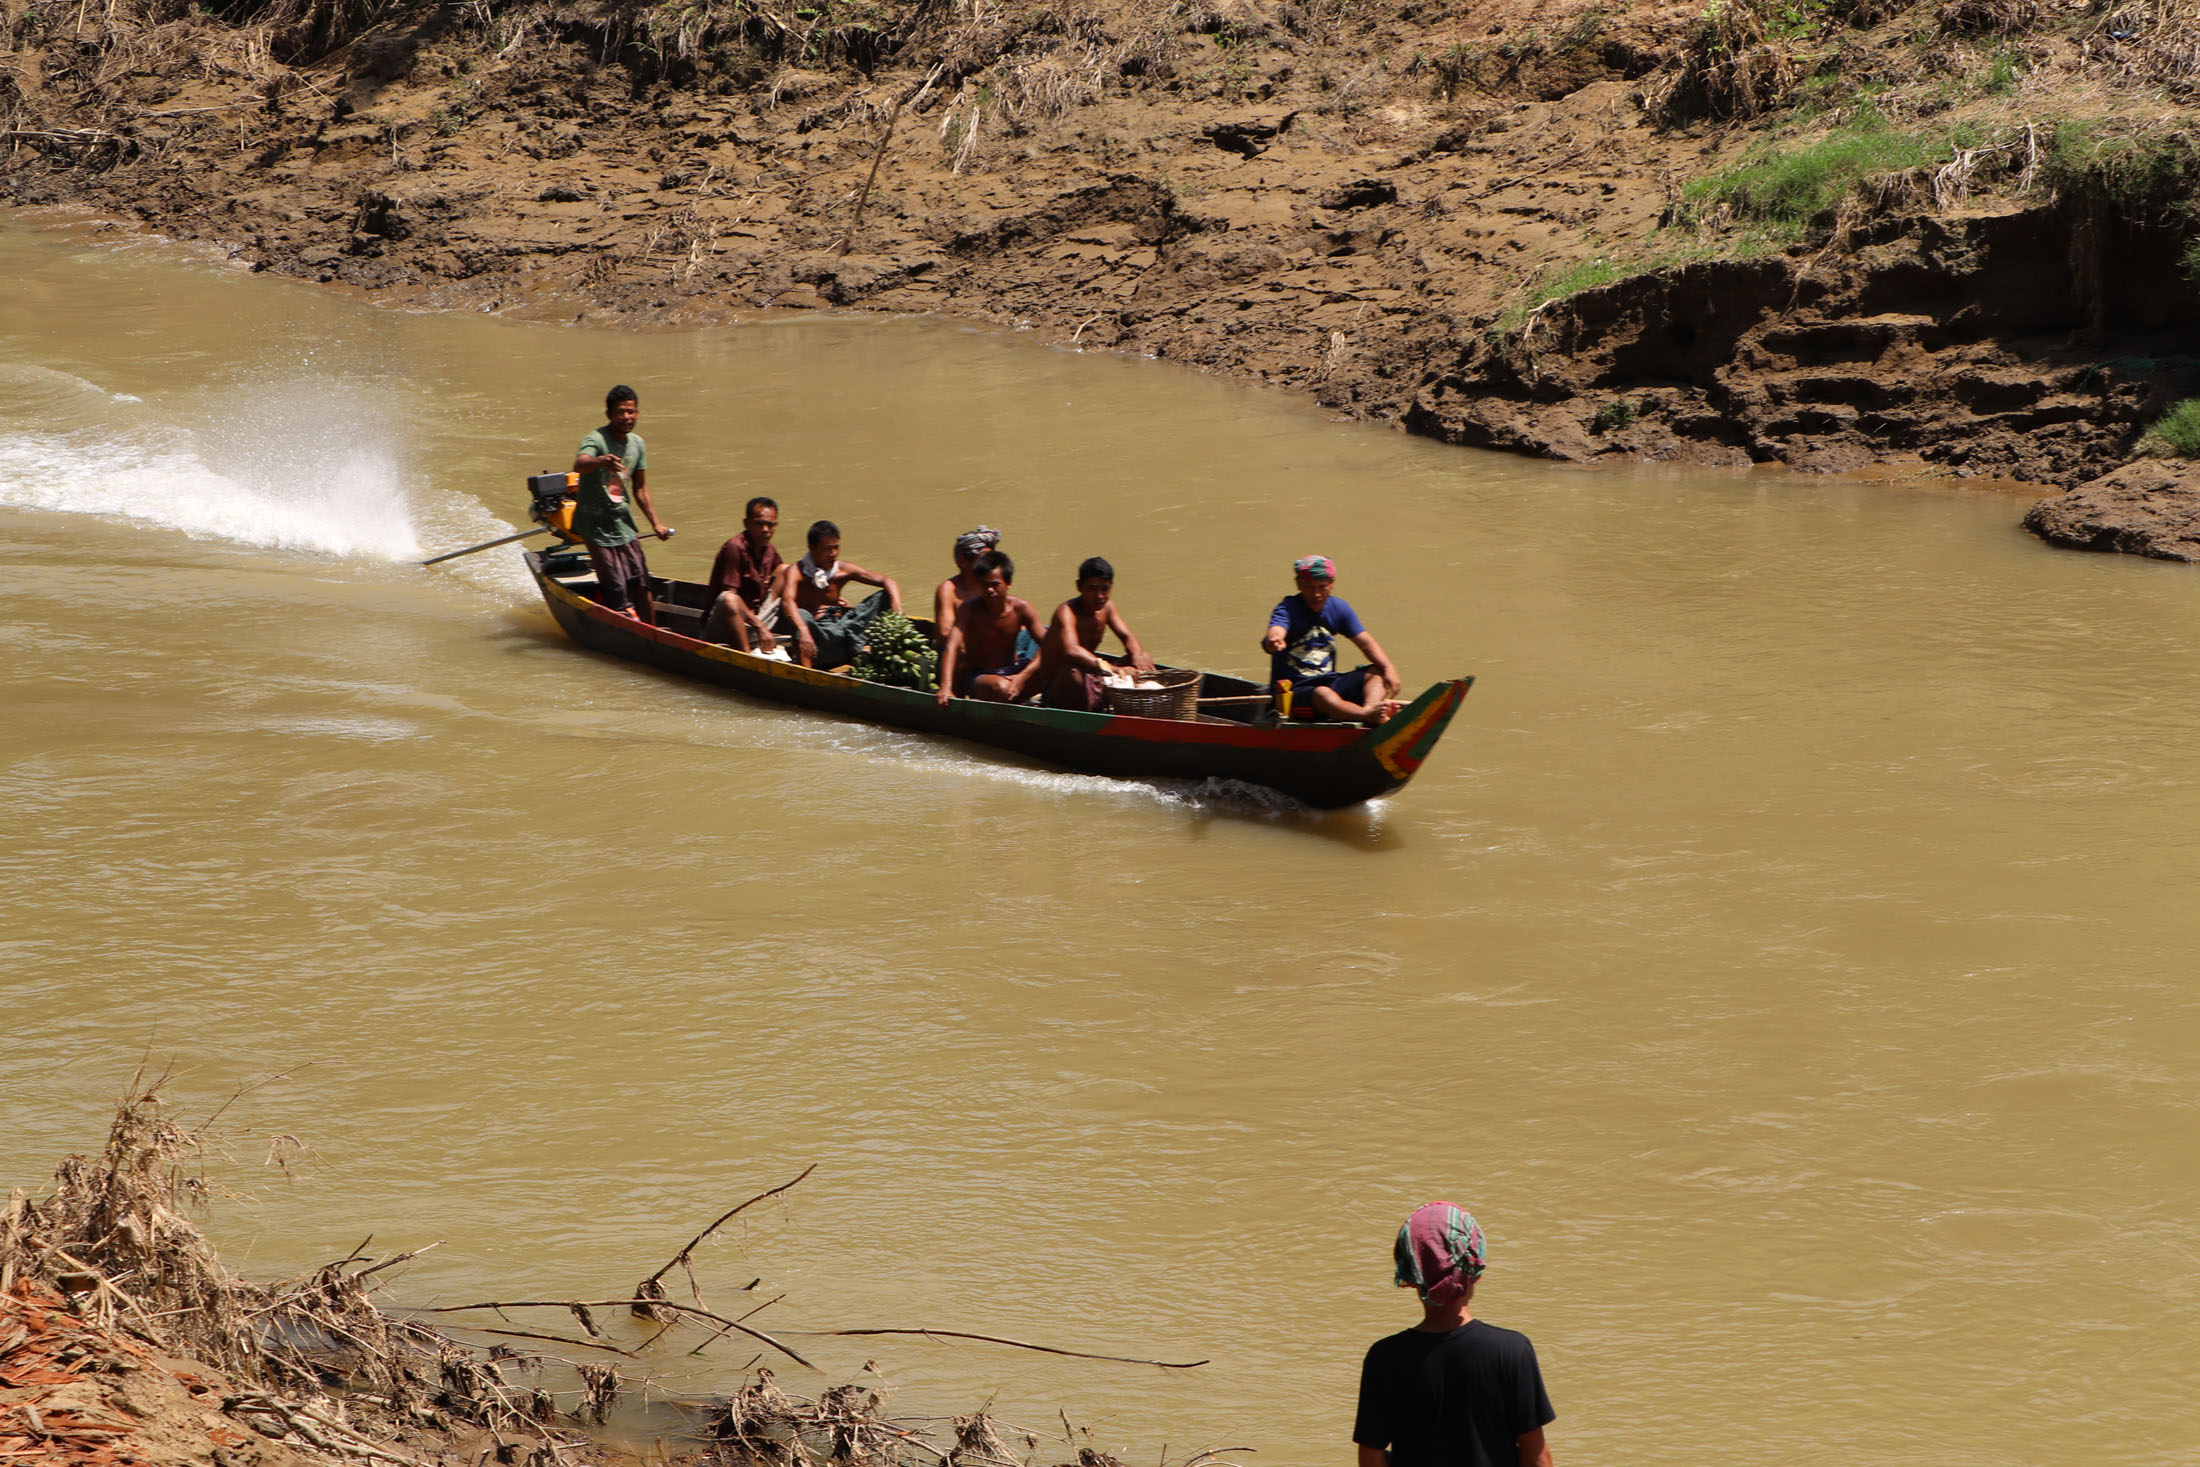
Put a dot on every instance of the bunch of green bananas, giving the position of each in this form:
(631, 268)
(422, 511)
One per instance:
(898, 655)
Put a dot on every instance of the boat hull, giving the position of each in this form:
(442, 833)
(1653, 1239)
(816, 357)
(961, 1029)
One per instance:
(1325, 765)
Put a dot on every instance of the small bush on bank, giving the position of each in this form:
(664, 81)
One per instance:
(2175, 434)
(1803, 185)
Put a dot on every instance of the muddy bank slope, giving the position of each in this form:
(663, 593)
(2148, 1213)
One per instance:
(1822, 233)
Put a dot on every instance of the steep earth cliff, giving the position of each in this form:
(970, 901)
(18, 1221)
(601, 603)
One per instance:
(1821, 233)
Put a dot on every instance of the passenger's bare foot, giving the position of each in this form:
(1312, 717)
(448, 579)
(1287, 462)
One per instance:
(1389, 709)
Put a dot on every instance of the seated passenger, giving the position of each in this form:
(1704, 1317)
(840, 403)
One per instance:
(741, 580)
(827, 631)
(985, 657)
(963, 584)
(1301, 647)
(1071, 673)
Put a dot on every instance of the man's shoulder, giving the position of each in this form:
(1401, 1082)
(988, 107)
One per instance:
(1475, 1337)
(1481, 1335)
(1408, 1341)
(596, 437)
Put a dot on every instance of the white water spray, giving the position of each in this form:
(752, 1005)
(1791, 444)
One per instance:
(308, 468)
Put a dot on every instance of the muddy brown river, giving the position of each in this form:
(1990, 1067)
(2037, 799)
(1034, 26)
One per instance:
(1788, 956)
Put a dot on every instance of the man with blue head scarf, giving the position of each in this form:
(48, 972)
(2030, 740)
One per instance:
(1453, 1390)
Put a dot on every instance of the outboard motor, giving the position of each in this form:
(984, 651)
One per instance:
(551, 509)
(551, 506)
(553, 503)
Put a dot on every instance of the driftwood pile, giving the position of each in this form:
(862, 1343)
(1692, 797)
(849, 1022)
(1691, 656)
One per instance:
(112, 1247)
(107, 1271)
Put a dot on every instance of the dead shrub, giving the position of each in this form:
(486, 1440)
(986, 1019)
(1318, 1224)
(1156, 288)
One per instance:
(2153, 41)
(1988, 17)
(1742, 62)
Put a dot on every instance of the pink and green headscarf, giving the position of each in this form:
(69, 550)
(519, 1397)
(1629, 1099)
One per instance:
(1439, 1252)
(1319, 566)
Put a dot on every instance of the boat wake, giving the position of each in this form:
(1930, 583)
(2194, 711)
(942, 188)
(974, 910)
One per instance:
(306, 468)
(921, 754)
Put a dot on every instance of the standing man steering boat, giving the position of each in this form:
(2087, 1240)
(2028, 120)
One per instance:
(612, 460)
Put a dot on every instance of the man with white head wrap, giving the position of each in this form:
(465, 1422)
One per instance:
(963, 584)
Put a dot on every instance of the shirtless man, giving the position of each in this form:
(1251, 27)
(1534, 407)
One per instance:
(741, 579)
(963, 584)
(981, 659)
(1070, 669)
(828, 632)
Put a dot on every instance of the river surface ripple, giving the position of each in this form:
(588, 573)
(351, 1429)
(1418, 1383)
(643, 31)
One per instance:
(1788, 955)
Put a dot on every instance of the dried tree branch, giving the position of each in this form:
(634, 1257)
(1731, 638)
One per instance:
(573, 1304)
(395, 1259)
(956, 1334)
(650, 1291)
(526, 1334)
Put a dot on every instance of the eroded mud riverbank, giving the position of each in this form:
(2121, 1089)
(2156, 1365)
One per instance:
(1500, 227)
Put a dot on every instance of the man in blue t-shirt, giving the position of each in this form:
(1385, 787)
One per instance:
(1301, 643)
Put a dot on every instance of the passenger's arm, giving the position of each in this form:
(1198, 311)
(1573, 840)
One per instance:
(765, 641)
(886, 583)
(1122, 628)
(784, 581)
(1373, 649)
(944, 602)
(1534, 1451)
(949, 655)
(1374, 1457)
(1062, 637)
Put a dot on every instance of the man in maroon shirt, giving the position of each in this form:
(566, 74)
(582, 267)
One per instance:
(741, 578)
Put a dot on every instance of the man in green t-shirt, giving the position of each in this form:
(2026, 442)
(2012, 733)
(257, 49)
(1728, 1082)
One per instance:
(612, 460)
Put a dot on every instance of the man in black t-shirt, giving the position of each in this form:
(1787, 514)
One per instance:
(1452, 1391)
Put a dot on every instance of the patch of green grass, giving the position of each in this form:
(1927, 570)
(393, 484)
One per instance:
(2152, 171)
(1661, 249)
(2002, 71)
(1580, 276)
(1801, 185)
(2175, 434)
(1567, 280)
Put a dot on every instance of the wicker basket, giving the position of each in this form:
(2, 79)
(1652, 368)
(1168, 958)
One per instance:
(1177, 697)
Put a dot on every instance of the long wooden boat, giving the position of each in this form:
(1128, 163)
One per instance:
(1326, 765)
